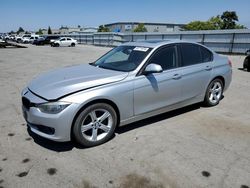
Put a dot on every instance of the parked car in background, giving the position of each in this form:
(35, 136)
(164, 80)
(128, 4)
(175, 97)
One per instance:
(32, 38)
(64, 41)
(18, 39)
(45, 40)
(246, 63)
(248, 52)
(131, 82)
(25, 38)
(6, 37)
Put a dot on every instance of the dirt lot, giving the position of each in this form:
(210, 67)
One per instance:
(190, 147)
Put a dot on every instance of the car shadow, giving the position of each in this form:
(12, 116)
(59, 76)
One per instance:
(245, 70)
(157, 118)
(51, 145)
(67, 146)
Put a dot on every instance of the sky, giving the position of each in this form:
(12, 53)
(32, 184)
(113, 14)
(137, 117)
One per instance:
(34, 14)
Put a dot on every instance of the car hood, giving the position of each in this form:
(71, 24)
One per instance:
(58, 83)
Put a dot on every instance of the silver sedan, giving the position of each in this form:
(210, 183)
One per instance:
(131, 82)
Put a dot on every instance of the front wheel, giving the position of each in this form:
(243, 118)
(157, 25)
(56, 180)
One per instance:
(214, 93)
(73, 45)
(95, 125)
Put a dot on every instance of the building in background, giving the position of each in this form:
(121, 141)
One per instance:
(128, 27)
(85, 30)
(71, 30)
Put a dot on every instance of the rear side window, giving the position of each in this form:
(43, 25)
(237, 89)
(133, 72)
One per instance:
(190, 54)
(206, 55)
(166, 57)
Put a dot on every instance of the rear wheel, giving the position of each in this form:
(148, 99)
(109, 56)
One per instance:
(246, 64)
(95, 125)
(214, 93)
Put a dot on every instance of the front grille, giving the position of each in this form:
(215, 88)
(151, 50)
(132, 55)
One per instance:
(26, 103)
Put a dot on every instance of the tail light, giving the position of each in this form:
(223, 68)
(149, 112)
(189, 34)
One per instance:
(230, 63)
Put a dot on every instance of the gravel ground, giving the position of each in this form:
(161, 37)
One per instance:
(190, 147)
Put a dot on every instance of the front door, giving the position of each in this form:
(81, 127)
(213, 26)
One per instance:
(158, 90)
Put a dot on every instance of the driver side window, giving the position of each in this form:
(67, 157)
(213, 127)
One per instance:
(166, 57)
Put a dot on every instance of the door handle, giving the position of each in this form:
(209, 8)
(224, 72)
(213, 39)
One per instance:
(208, 68)
(176, 77)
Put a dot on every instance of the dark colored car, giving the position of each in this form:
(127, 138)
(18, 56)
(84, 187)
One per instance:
(45, 40)
(246, 64)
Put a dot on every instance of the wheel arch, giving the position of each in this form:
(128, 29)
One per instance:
(219, 77)
(107, 101)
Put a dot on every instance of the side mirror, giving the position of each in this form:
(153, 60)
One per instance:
(152, 68)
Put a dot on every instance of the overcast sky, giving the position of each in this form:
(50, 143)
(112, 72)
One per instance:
(33, 14)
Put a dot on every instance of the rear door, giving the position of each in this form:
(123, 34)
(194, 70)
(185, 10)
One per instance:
(158, 90)
(196, 63)
(69, 41)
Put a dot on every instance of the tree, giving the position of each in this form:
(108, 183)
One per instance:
(20, 30)
(229, 19)
(11, 32)
(239, 26)
(39, 32)
(199, 25)
(102, 28)
(216, 22)
(49, 31)
(225, 21)
(140, 28)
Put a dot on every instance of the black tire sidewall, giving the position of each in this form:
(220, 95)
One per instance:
(206, 100)
(77, 125)
(246, 63)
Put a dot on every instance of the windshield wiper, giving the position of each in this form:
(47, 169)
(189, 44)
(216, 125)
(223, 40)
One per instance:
(93, 64)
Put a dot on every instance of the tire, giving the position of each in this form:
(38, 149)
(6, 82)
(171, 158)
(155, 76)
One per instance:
(56, 45)
(90, 129)
(214, 93)
(73, 45)
(246, 63)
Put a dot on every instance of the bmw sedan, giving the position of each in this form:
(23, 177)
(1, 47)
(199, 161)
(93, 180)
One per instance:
(131, 82)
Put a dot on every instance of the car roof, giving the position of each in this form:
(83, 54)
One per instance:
(155, 43)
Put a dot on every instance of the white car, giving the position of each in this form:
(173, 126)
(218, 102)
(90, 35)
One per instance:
(32, 38)
(18, 38)
(64, 41)
(29, 38)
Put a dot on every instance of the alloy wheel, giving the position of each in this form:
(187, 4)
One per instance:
(215, 92)
(96, 125)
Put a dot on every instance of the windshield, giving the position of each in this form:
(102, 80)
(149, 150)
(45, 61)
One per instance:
(123, 58)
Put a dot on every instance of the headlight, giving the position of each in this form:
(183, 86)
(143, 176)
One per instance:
(52, 107)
